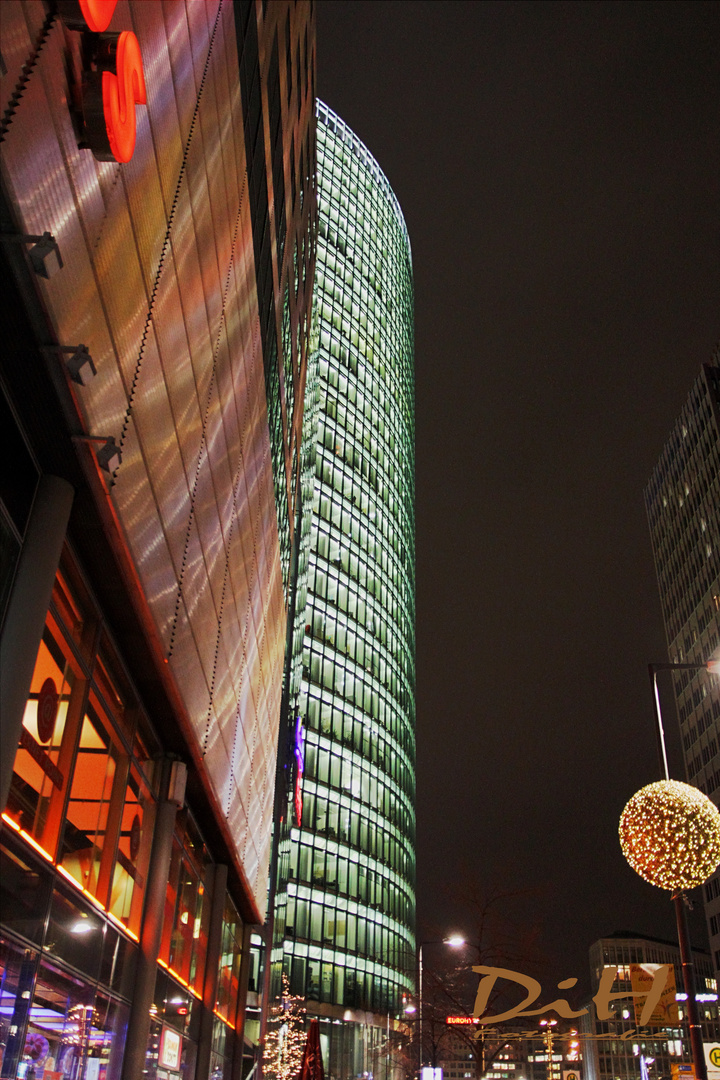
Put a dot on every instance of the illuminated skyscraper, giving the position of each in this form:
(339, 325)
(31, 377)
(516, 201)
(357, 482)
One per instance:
(345, 909)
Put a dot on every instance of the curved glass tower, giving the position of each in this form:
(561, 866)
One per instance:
(345, 909)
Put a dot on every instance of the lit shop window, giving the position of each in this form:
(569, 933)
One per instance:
(97, 776)
(133, 854)
(39, 777)
(72, 1030)
(81, 790)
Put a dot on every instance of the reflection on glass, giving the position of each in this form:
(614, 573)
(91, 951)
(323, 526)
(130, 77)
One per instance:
(230, 958)
(67, 1035)
(37, 775)
(133, 853)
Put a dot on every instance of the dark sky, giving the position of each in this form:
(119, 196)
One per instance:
(558, 165)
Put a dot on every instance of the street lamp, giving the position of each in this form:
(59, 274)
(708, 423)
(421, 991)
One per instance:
(695, 1030)
(455, 941)
(548, 1034)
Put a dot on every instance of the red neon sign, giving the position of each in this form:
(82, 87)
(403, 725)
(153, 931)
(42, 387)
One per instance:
(121, 93)
(98, 13)
(113, 79)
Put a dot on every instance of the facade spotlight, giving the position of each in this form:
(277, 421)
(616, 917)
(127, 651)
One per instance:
(44, 255)
(80, 365)
(109, 456)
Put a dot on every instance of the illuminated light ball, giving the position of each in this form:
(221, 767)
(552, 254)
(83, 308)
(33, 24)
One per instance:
(670, 834)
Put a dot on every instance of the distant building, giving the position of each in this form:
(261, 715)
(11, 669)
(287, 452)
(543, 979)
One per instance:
(468, 1053)
(683, 508)
(157, 260)
(622, 1053)
(345, 909)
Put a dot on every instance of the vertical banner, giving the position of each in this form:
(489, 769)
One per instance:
(665, 1012)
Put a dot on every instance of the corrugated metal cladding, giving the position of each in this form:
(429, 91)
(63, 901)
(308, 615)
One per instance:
(159, 283)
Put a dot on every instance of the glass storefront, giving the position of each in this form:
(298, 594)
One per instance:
(83, 789)
(65, 991)
(75, 852)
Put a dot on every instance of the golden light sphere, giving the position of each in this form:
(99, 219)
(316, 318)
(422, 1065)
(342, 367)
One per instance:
(670, 834)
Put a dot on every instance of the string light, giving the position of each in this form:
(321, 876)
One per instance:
(670, 834)
(286, 1037)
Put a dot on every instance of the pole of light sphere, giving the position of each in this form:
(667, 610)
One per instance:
(420, 1007)
(688, 968)
(659, 729)
(688, 972)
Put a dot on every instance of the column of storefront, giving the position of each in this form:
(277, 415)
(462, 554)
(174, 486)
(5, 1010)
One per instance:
(239, 1044)
(210, 989)
(173, 789)
(27, 607)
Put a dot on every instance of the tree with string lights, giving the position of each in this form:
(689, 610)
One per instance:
(286, 1036)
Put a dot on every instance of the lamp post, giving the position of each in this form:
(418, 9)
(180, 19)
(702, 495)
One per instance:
(686, 959)
(455, 941)
(549, 1025)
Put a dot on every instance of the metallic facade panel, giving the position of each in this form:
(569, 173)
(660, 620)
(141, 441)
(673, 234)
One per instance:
(177, 370)
(136, 507)
(189, 674)
(167, 142)
(200, 197)
(16, 47)
(159, 282)
(177, 33)
(158, 439)
(120, 279)
(217, 763)
(187, 265)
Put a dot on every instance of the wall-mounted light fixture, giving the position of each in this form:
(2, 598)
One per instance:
(109, 456)
(44, 255)
(80, 365)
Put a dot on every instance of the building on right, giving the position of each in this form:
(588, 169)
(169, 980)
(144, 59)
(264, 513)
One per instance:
(682, 501)
(618, 1047)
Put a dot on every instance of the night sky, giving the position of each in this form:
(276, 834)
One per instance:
(558, 165)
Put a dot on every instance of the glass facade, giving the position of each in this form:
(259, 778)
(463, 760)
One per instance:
(345, 911)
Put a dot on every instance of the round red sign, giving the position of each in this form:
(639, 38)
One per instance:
(47, 710)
